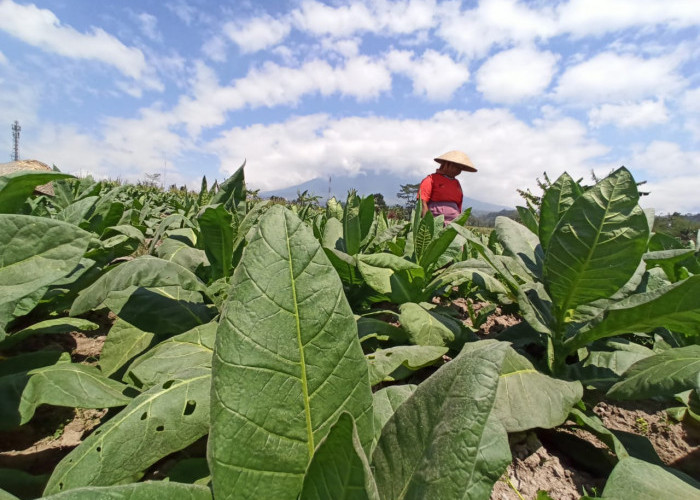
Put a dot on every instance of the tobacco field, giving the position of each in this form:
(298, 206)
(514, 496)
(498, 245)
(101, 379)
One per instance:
(260, 350)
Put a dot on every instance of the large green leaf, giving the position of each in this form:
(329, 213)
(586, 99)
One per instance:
(217, 233)
(491, 258)
(179, 252)
(160, 421)
(352, 225)
(150, 293)
(527, 399)
(444, 441)
(392, 275)
(16, 187)
(367, 219)
(601, 369)
(72, 385)
(287, 363)
(36, 252)
(436, 248)
(333, 234)
(339, 467)
(597, 244)
(520, 242)
(14, 378)
(555, 202)
(674, 307)
(232, 191)
(639, 480)
(192, 349)
(165, 225)
(384, 361)
(423, 234)
(148, 490)
(49, 327)
(426, 327)
(664, 374)
(529, 219)
(78, 211)
(386, 400)
(123, 342)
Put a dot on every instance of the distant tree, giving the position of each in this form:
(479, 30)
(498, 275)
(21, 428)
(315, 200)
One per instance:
(379, 202)
(679, 226)
(408, 193)
(279, 200)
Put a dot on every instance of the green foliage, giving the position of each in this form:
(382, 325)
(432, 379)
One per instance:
(263, 329)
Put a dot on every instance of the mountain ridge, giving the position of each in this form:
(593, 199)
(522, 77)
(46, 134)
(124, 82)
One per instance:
(338, 187)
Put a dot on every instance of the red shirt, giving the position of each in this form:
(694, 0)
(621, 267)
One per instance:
(438, 187)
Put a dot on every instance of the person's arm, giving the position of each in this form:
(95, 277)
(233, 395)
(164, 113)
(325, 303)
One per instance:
(425, 190)
(461, 197)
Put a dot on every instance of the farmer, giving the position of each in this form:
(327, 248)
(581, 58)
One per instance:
(441, 192)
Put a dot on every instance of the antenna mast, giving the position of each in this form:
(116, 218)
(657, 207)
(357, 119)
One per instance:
(15, 137)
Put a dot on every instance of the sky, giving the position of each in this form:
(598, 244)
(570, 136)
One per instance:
(357, 88)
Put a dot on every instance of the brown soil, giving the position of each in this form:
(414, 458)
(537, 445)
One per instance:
(677, 444)
(535, 467)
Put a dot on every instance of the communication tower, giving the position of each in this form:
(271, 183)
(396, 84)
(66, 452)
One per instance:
(15, 138)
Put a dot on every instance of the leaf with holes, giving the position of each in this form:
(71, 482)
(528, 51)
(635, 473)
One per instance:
(287, 362)
(160, 421)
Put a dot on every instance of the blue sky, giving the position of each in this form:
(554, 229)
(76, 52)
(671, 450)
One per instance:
(370, 89)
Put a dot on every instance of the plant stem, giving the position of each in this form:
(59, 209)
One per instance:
(514, 488)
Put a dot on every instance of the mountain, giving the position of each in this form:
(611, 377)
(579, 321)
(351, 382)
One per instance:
(365, 185)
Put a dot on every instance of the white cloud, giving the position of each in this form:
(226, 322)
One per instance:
(321, 19)
(41, 28)
(672, 194)
(597, 17)
(215, 48)
(149, 26)
(434, 75)
(302, 148)
(20, 97)
(661, 159)
(402, 17)
(273, 85)
(257, 33)
(382, 17)
(610, 77)
(475, 31)
(182, 10)
(643, 114)
(3, 59)
(690, 101)
(513, 75)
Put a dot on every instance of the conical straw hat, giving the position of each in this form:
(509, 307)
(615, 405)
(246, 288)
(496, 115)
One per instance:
(458, 158)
